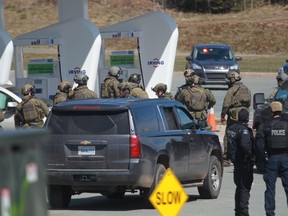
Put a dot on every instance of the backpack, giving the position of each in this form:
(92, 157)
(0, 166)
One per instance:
(29, 110)
(197, 99)
(104, 88)
(242, 97)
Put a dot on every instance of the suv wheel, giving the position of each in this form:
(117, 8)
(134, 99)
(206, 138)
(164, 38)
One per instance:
(213, 180)
(59, 196)
(160, 171)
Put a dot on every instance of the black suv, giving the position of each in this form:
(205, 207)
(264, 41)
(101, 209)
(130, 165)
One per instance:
(212, 62)
(111, 146)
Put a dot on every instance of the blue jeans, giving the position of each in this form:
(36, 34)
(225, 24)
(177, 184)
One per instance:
(277, 165)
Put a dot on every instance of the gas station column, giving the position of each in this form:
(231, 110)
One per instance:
(72, 9)
(1, 15)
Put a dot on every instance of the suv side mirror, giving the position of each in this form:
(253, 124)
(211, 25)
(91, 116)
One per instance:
(238, 58)
(188, 58)
(12, 105)
(258, 100)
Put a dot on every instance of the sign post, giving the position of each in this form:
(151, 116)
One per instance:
(169, 196)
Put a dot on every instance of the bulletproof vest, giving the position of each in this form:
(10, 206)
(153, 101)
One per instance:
(197, 99)
(104, 88)
(29, 110)
(242, 97)
(278, 137)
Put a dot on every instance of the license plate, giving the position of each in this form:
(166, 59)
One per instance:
(86, 150)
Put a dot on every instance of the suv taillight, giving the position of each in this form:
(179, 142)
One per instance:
(135, 147)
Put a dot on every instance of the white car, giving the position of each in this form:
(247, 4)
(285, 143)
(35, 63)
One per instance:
(10, 97)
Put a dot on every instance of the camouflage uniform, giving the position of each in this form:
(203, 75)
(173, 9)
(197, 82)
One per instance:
(186, 96)
(231, 106)
(109, 87)
(64, 89)
(161, 91)
(31, 111)
(125, 90)
(137, 90)
(81, 91)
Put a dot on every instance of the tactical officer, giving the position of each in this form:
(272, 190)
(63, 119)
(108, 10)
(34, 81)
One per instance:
(109, 87)
(241, 153)
(275, 135)
(161, 91)
(238, 96)
(137, 90)
(197, 99)
(125, 90)
(281, 77)
(31, 111)
(64, 89)
(81, 91)
(188, 73)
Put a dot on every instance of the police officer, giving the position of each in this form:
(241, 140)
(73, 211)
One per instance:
(238, 96)
(31, 111)
(161, 91)
(137, 90)
(197, 99)
(275, 135)
(81, 91)
(241, 154)
(109, 87)
(62, 95)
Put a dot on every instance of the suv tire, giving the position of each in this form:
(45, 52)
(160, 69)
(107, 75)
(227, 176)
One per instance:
(160, 171)
(212, 183)
(59, 196)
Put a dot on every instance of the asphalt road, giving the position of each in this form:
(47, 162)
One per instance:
(95, 204)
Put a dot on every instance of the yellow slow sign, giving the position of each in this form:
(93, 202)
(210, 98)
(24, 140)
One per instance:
(169, 196)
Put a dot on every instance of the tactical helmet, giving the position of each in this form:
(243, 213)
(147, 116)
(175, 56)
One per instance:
(189, 72)
(233, 76)
(135, 78)
(81, 79)
(64, 86)
(114, 71)
(28, 88)
(159, 87)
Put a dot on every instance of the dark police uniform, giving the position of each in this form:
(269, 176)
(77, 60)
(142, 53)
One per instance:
(275, 136)
(241, 153)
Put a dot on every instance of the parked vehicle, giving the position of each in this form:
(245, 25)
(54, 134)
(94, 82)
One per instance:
(212, 62)
(10, 97)
(111, 146)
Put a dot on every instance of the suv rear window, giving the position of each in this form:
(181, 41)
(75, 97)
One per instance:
(89, 122)
(146, 119)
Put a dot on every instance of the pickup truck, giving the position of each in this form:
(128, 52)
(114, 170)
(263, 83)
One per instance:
(113, 146)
